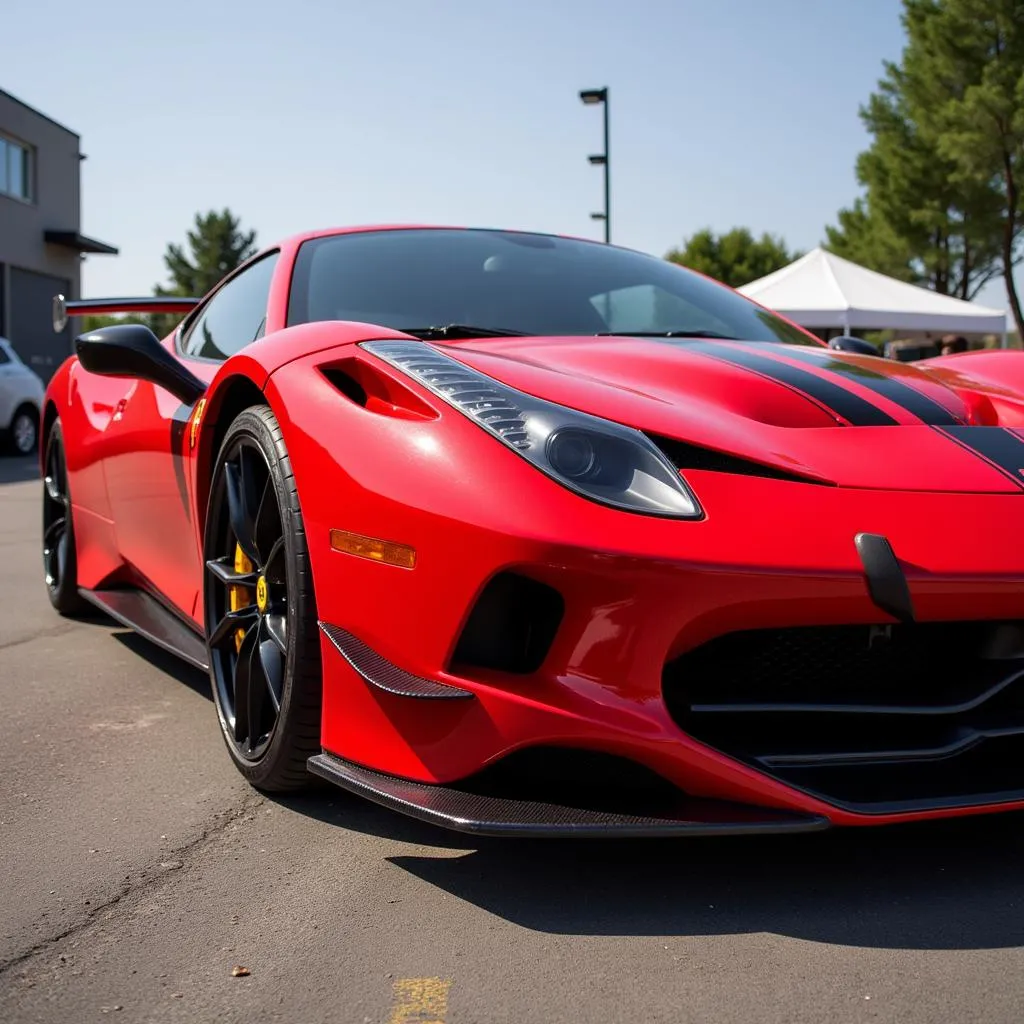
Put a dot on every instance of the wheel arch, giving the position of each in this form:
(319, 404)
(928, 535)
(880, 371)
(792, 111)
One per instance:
(49, 417)
(228, 397)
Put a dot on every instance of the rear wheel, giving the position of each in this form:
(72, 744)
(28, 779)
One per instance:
(260, 610)
(60, 564)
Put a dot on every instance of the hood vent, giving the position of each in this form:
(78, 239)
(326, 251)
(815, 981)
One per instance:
(686, 456)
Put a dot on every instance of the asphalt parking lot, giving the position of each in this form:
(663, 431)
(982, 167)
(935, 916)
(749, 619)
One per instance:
(138, 871)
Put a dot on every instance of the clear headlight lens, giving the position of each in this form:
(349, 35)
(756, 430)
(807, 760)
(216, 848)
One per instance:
(599, 459)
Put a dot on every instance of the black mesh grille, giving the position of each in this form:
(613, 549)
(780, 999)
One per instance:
(910, 715)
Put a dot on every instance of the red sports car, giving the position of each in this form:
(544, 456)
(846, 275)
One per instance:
(523, 534)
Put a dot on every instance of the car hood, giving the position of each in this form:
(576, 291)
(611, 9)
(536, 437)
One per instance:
(834, 417)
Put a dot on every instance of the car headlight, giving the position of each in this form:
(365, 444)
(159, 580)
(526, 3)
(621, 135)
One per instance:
(599, 459)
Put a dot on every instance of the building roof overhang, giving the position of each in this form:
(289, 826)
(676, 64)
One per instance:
(79, 242)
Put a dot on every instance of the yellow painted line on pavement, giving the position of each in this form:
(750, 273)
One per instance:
(420, 1001)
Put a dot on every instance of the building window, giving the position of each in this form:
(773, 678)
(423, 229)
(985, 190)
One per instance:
(15, 169)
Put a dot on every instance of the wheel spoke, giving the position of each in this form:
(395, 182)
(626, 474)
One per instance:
(226, 573)
(273, 669)
(277, 631)
(232, 621)
(240, 512)
(250, 467)
(268, 520)
(276, 553)
(258, 686)
(243, 685)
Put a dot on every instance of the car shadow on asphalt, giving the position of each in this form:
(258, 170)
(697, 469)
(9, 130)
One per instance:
(170, 664)
(956, 884)
(938, 885)
(18, 470)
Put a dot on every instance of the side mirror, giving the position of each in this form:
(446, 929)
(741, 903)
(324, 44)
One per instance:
(844, 343)
(133, 350)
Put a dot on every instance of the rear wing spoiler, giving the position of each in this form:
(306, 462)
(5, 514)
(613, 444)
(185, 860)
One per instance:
(64, 309)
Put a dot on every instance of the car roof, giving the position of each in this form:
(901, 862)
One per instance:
(296, 240)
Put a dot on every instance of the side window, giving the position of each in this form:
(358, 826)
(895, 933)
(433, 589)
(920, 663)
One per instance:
(4, 357)
(235, 316)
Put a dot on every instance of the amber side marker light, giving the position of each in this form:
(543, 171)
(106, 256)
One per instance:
(375, 550)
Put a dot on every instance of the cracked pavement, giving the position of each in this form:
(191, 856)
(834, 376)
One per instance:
(138, 869)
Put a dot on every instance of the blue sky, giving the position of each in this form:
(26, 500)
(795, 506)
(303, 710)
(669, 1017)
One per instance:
(308, 113)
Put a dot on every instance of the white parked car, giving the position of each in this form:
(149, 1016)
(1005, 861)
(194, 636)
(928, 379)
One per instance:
(21, 402)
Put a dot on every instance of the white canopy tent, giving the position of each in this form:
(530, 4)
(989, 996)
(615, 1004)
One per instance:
(822, 290)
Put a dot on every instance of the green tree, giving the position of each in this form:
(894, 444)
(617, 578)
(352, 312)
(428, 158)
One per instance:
(937, 208)
(865, 237)
(734, 258)
(96, 321)
(216, 245)
(979, 46)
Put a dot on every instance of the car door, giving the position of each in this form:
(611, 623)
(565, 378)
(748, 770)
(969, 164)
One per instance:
(147, 469)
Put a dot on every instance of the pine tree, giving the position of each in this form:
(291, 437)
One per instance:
(941, 205)
(216, 246)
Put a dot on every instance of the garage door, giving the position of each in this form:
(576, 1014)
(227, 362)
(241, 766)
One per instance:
(30, 303)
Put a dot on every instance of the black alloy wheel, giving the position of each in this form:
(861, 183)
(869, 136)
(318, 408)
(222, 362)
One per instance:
(60, 565)
(260, 612)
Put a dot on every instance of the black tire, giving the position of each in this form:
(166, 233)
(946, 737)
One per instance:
(60, 562)
(263, 642)
(23, 433)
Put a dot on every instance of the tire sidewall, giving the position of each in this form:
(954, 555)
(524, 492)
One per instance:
(254, 424)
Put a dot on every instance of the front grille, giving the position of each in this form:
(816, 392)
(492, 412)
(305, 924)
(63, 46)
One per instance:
(875, 718)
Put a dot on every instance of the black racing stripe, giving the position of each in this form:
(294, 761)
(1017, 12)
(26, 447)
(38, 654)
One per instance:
(915, 402)
(849, 406)
(999, 447)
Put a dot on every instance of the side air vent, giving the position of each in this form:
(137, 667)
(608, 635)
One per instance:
(690, 456)
(346, 384)
(376, 389)
(512, 625)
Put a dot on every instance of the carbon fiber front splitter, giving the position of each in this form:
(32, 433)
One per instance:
(487, 815)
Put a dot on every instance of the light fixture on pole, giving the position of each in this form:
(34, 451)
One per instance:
(591, 97)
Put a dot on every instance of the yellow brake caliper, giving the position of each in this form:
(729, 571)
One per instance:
(238, 596)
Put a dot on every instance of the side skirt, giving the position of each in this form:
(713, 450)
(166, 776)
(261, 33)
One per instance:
(151, 620)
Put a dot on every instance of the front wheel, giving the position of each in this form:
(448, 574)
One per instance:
(260, 610)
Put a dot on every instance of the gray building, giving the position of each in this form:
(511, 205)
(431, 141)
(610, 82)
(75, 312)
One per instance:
(41, 244)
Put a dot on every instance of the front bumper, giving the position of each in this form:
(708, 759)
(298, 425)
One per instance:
(637, 594)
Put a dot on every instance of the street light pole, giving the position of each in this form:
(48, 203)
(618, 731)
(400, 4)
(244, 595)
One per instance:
(607, 178)
(590, 97)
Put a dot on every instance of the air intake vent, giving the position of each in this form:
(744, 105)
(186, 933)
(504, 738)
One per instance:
(512, 625)
(690, 456)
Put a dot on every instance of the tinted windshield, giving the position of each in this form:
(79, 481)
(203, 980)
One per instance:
(537, 284)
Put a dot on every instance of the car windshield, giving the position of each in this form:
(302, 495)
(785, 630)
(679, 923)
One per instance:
(416, 279)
